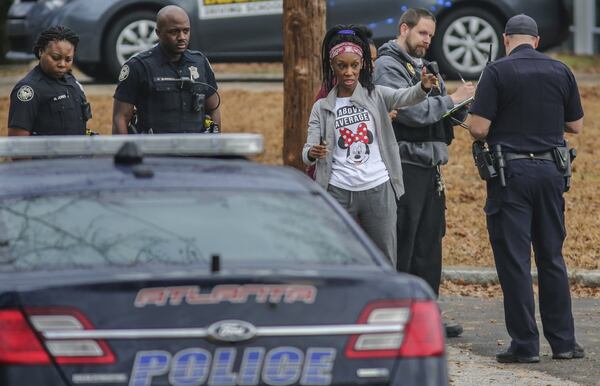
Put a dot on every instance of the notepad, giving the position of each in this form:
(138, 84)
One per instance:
(458, 107)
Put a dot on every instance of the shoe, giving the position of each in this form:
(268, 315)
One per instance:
(510, 356)
(453, 330)
(576, 353)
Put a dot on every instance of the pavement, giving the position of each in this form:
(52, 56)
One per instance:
(469, 369)
(471, 356)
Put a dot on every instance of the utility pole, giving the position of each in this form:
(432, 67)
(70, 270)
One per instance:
(303, 31)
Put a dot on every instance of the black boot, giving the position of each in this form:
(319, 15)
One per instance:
(577, 352)
(510, 356)
(453, 330)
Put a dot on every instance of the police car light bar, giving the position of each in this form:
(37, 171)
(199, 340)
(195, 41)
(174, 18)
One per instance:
(160, 144)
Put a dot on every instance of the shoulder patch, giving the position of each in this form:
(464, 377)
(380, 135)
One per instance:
(25, 94)
(124, 73)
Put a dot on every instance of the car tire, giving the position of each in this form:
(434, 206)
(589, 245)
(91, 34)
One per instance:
(462, 40)
(129, 35)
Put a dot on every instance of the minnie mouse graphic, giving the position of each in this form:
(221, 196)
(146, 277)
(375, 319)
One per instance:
(357, 144)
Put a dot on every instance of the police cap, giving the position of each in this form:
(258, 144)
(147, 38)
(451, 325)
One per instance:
(521, 25)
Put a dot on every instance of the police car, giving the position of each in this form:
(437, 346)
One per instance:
(131, 267)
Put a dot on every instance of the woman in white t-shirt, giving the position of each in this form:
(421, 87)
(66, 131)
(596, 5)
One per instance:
(350, 136)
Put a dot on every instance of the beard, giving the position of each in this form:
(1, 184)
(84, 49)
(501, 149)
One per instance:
(414, 50)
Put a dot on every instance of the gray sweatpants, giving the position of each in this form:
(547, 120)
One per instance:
(375, 210)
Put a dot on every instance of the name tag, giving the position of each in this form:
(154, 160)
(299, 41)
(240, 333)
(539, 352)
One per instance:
(60, 97)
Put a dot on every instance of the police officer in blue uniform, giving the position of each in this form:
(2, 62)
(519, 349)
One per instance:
(525, 102)
(169, 87)
(49, 100)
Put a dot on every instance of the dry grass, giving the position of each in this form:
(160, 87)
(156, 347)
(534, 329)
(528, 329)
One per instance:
(589, 64)
(466, 236)
(466, 241)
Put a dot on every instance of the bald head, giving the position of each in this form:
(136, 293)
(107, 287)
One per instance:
(173, 31)
(513, 41)
(170, 13)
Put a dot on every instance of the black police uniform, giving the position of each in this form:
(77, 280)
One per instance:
(163, 104)
(528, 97)
(44, 105)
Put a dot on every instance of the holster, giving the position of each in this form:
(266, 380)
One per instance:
(563, 157)
(484, 161)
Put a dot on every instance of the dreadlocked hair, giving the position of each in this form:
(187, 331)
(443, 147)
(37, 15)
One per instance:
(54, 34)
(368, 34)
(333, 38)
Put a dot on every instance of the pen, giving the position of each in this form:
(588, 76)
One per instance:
(461, 78)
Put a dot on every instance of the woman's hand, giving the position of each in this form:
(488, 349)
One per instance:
(428, 81)
(317, 152)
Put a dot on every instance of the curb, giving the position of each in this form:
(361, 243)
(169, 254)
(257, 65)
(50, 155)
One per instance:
(468, 275)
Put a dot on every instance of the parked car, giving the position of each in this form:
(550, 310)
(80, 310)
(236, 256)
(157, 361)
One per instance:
(133, 269)
(251, 30)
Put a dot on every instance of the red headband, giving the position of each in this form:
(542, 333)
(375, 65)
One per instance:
(344, 48)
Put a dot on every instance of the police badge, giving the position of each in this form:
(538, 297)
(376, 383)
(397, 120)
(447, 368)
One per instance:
(194, 72)
(410, 69)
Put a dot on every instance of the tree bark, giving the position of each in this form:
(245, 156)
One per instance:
(303, 31)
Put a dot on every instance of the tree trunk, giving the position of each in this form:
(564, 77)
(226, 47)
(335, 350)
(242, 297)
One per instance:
(303, 31)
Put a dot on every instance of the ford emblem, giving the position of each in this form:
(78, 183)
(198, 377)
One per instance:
(231, 331)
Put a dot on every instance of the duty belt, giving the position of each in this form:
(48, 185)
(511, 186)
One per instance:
(548, 156)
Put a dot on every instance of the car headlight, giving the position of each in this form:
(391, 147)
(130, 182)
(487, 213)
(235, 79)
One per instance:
(53, 4)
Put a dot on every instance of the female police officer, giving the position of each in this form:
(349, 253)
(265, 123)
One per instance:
(49, 101)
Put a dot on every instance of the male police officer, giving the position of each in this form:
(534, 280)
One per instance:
(170, 86)
(524, 103)
(423, 137)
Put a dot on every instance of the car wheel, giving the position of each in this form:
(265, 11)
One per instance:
(131, 34)
(462, 42)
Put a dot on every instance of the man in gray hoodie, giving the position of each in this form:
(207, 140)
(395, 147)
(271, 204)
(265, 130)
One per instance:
(423, 137)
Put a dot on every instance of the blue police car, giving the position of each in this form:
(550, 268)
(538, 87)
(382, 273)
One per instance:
(130, 267)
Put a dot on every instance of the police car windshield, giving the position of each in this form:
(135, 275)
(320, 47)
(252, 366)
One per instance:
(174, 228)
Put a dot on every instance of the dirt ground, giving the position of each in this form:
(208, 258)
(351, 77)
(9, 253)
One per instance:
(466, 241)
